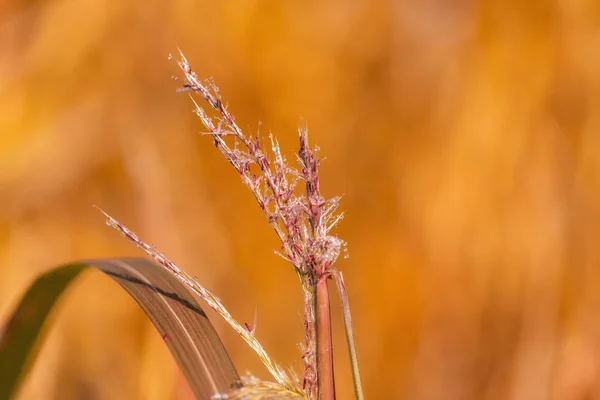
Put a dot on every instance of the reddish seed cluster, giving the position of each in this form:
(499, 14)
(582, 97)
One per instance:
(301, 221)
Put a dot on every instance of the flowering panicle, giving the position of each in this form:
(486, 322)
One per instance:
(302, 222)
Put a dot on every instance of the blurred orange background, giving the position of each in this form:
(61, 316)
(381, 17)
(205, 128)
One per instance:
(464, 136)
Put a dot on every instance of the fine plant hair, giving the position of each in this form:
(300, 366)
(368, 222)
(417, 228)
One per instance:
(302, 220)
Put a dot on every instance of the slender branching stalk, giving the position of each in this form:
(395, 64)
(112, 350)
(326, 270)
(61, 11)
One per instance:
(284, 383)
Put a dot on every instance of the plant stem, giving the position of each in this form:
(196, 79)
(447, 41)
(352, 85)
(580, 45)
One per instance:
(339, 280)
(326, 384)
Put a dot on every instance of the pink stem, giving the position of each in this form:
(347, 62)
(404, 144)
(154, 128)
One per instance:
(325, 376)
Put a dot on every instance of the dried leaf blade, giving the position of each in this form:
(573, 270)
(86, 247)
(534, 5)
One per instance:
(173, 310)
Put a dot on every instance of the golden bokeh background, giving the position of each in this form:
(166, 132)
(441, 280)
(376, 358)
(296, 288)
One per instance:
(463, 134)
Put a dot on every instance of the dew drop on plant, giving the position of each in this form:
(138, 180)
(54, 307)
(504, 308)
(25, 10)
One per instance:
(170, 57)
(346, 253)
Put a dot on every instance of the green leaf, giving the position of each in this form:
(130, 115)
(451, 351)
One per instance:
(172, 309)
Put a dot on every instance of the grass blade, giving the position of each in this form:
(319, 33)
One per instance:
(175, 313)
(339, 280)
(19, 338)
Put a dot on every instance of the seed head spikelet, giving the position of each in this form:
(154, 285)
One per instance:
(302, 222)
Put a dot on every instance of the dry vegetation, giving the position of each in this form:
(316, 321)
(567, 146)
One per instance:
(463, 134)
